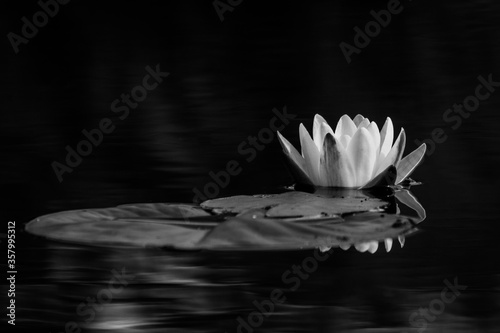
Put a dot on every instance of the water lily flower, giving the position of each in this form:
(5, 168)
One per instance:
(355, 155)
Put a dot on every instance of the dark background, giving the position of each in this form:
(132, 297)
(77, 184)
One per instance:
(225, 79)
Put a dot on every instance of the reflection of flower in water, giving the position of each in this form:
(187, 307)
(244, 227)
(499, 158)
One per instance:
(403, 196)
(356, 155)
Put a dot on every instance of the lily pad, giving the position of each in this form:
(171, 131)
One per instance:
(274, 224)
(130, 225)
(294, 203)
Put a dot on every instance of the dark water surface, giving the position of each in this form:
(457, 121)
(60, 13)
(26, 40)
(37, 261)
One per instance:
(225, 80)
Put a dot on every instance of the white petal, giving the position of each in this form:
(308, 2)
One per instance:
(345, 126)
(385, 178)
(335, 168)
(296, 161)
(388, 244)
(386, 138)
(402, 144)
(362, 151)
(375, 133)
(320, 128)
(344, 140)
(394, 155)
(310, 153)
(298, 174)
(364, 123)
(358, 119)
(410, 163)
(290, 150)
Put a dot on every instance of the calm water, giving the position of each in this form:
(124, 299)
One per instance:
(225, 80)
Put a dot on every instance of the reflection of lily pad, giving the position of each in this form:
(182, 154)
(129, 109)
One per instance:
(294, 204)
(274, 224)
(244, 232)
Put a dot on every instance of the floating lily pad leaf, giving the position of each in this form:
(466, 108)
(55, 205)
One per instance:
(246, 233)
(131, 225)
(291, 204)
(191, 228)
(161, 210)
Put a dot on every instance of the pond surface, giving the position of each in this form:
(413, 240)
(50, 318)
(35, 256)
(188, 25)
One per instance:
(225, 79)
